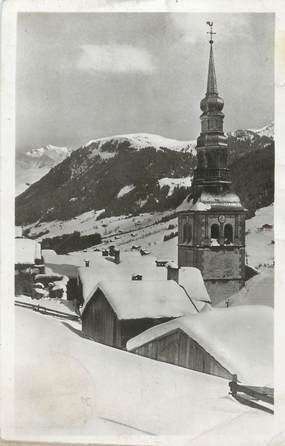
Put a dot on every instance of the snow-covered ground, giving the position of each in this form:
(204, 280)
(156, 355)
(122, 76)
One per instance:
(88, 223)
(74, 388)
(61, 305)
(259, 290)
(147, 230)
(125, 190)
(142, 140)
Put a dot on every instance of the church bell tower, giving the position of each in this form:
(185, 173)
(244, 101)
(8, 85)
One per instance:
(211, 220)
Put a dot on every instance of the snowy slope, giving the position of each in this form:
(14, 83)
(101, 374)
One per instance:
(146, 230)
(250, 134)
(68, 386)
(140, 141)
(175, 182)
(259, 290)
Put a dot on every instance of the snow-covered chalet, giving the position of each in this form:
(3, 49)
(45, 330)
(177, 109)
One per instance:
(116, 311)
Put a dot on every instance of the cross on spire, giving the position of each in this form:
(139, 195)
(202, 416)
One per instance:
(211, 32)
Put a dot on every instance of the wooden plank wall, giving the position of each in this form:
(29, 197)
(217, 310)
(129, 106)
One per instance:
(100, 322)
(179, 349)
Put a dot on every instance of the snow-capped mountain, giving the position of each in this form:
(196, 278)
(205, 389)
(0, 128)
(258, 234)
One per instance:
(252, 134)
(34, 164)
(267, 130)
(137, 173)
(109, 146)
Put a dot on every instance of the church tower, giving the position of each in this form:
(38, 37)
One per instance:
(211, 220)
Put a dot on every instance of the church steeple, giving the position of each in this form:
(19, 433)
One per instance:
(212, 169)
(211, 220)
(212, 81)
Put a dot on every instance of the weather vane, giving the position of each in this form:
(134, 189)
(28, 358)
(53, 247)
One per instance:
(211, 32)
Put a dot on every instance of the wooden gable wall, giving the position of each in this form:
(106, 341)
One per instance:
(179, 349)
(100, 322)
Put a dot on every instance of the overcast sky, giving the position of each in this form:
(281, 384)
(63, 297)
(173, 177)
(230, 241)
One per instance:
(85, 76)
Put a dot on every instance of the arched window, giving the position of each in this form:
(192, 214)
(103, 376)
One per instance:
(228, 234)
(215, 231)
(184, 233)
(187, 233)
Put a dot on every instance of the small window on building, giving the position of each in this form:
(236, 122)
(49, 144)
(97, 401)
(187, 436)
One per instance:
(215, 231)
(228, 234)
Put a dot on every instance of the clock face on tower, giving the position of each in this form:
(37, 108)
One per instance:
(221, 218)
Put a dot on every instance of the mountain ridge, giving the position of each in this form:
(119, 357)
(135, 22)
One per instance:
(32, 165)
(152, 177)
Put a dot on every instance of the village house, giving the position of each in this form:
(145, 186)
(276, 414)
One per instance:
(132, 266)
(27, 253)
(221, 342)
(116, 311)
(28, 263)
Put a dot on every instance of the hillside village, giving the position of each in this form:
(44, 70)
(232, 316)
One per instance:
(151, 317)
(55, 304)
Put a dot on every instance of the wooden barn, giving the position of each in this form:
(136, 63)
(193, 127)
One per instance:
(117, 311)
(220, 342)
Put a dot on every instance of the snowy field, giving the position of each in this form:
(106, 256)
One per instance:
(149, 235)
(148, 231)
(88, 223)
(259, 249)
(71, 387)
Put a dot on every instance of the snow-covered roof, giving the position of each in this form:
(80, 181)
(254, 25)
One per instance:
(208, 201)
(137, 299)
(101, 268)
(259, 290)
(239, 338)
(90, 277)
(192, 281)
(26, 251)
